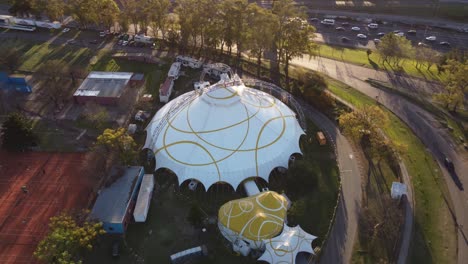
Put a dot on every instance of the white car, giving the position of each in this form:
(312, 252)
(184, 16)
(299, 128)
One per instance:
(361, 36)
(102, 34)
(400, 34)
(328, 22)
(431, 38)
(65, 30)
(125, 43)
(373, 26)
(355, 29)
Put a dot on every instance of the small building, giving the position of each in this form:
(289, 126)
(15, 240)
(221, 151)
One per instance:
(166, 89)
(174, 71)
(104, 88)
(215, 70)
(321, 138)
(114, 205)
(144, 198)
(398, 190)
(15, 82)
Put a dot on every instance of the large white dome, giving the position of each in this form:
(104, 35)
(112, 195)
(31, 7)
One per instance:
(228, 133)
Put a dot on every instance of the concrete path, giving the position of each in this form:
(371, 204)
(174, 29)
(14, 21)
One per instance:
(434, 137)
(339, 247)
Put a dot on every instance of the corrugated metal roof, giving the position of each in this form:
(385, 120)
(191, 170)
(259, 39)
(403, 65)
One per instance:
(104, 84)
(112, 203)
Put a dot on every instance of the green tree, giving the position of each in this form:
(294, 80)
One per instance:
(53, 9)
(21, 7)
(107, 13)
(364, 121)
(158, 14)
(393, 49)
(261, 27)
(455, 85)
(85, 12)
(17, 133)
(302, 178)
(425, 56)
(54, 75)
(119, 142)
(96, 114)
(66, 240)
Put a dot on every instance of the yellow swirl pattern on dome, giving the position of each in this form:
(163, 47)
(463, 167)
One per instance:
(257, 217)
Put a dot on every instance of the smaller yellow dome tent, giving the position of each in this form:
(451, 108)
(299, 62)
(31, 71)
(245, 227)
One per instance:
(253, 218)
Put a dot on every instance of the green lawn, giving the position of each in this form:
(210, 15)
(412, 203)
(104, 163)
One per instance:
(435, 237)
(359, 57)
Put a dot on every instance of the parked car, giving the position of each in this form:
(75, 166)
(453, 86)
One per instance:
(102, 34)
(355, 29)
(431, 38)
(125, 43)
(445, 43)
(65, 30)
(340, 28)
(411, 32)
(345, 39)
(361, 36)
(422, 44)
(381, 34)
(449, 164)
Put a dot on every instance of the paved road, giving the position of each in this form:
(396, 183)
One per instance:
(421, 122)
(339, 247)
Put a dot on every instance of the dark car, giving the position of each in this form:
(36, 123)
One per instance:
(115, 248)
(340, 28)
(411, 32)
(314, 19)
(449, 165)
(381, 34)
(345, 39)
(444, 43)
(345, 24)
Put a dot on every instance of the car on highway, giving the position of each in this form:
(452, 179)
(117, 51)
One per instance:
(449, 165)
(381, 34)
(94, 41)
(431, 38)
(328, 22)
(345, 39)
(445, 43)
(377, 41)
(314, 19)
(340, 28)
(361, 36)
(373, 26)
(345, 24)
(396, 31)
(411, 32)
(65, 30)
(422, 44)
(355, 29)
(400, 34)
(71, 41)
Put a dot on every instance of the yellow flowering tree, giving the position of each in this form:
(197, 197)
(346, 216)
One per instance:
(67, 239)
(118, 141)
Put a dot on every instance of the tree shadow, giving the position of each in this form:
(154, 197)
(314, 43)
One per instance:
(374, 65)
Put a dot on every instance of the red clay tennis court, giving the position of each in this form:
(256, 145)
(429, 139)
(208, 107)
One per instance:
(53, 182)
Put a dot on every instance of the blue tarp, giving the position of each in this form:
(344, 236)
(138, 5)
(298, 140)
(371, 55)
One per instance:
(14, 82)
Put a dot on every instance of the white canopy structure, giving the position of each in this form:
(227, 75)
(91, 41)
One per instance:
(223, 133)
(285, 247)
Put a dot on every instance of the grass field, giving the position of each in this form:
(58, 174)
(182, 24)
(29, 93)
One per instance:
(359, 57)
(435, 236)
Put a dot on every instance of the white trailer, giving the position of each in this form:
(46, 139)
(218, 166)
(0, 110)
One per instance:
(174, 70)
(144, 198)
(144, 39)
(9, 23)
(37, 23)
(217, 69)
(189, 62)
(166, 89)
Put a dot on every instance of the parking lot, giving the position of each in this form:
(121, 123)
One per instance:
(330, 35)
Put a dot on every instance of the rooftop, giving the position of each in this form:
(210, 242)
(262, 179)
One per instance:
(111, 204)
(104, 84)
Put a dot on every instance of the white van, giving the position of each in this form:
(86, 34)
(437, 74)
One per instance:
(373, 26)
(144, 39)
(328, 22)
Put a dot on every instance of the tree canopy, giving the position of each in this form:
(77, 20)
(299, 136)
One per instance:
(17, 133)
(455, 85)
(393, 49)
(67, 238)
(120, 143)
(54, 74)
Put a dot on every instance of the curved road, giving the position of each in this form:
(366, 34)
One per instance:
(339, 247)
(420, 121)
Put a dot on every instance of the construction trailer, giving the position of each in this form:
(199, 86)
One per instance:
(174, 71)
(144, 198)
(189, 62)
(166, 89)
(144, 39)
(8, 22)
(215, 70)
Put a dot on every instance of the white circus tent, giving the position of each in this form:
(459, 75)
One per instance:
(285, 247)
(224, 133)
